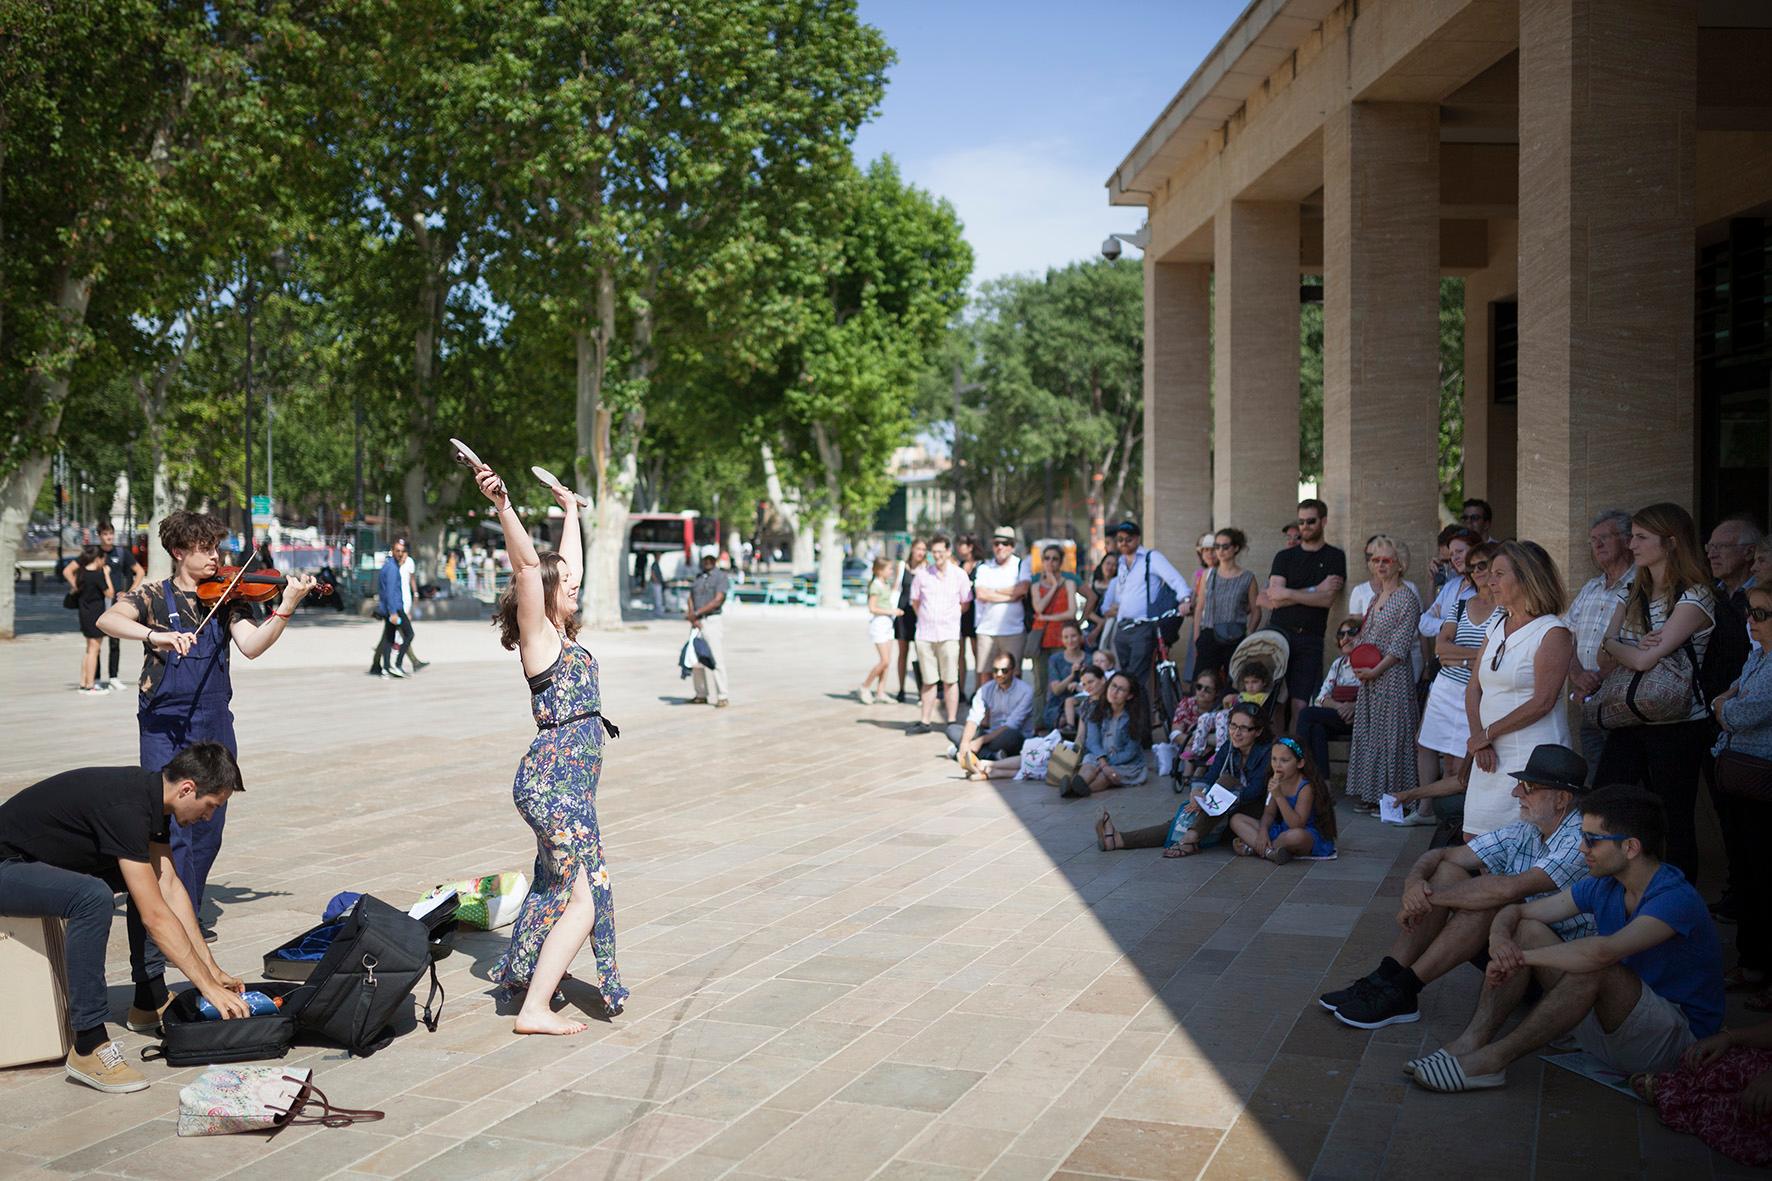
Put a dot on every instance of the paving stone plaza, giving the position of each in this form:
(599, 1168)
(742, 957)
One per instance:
(846, 961)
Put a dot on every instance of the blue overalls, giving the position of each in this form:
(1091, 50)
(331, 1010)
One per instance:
(191, 704)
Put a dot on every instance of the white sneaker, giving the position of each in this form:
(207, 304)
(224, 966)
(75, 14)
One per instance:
(393, 672)
(865, 695)
(93, 691)
(1421, 817)
(952, 752)
(117, 683)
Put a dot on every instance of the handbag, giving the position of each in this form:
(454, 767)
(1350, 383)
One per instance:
(227, 1099)
(1657, 695)
(1231, 631)
(1745, 776)
(71, 601)
(1066, 758)
(489, 902)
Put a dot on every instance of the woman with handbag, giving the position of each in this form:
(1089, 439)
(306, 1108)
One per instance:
(1382, 758)
(1649, 701)
(556, 785)
(1744, 773)
(1228, 610)
(1514, 703)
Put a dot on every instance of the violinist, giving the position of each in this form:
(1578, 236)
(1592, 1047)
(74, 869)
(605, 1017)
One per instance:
(186, 693)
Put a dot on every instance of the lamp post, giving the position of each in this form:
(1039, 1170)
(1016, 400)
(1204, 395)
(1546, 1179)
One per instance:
(247, 483)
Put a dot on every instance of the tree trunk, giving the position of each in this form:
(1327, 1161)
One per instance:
(830, 558)
(159, 561)
(787, 506)
(18, 493)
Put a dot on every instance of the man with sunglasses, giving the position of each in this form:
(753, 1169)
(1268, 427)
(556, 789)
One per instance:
(1452, 895)
(1301, 587)
(1636, 995)
(1478, 517)
(1002, 713)
(1000, 585)
(1147, 587)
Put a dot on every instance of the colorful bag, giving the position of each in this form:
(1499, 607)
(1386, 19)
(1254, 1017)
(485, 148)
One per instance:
(1660, 694)
(489, 902)
(226, 1099)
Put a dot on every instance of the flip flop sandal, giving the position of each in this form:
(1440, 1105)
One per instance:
(1241, 848)
(1442, 1072)
(1186, 848)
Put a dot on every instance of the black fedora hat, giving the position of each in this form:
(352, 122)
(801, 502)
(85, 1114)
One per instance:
(1554, 766)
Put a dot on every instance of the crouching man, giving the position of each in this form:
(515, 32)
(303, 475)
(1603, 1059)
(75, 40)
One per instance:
(1452, 895)
(70, 844)
(1636, 995)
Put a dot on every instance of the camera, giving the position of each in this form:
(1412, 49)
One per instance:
(1110, 248)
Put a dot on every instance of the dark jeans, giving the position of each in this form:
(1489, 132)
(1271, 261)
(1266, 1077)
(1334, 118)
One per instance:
(1733, 818)
(116, 657)
(1317, 725)
(388, 631)
(1135, 649)
(1000, 747)
(1753, 889)
(32, 889)
(1664, 759)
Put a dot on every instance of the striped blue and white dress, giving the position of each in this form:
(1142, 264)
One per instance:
(1445, 727)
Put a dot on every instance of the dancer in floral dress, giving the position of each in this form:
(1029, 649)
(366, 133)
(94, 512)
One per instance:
(556, 787)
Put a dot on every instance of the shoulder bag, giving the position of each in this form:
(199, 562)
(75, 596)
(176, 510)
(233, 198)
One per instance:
(1744, 776)
(1655, 696)
(1066, 758)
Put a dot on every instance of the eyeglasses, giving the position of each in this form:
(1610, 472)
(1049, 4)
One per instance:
(1590, 839)
(1239, 729)
(1308, 520)
(1759, 614)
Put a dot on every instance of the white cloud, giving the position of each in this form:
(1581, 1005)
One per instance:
(1026, 206)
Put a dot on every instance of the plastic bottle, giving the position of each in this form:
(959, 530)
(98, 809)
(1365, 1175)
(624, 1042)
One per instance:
(258, 1003)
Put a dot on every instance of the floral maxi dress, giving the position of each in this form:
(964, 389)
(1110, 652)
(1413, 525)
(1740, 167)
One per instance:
(1381, 758)
(556, 794)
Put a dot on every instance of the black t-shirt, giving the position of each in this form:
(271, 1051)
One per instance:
(86, 820)
(122, 566)
(1303, 569)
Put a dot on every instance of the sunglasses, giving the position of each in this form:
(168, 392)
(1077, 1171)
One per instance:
(1308, 520)
(1590, 839)
(1224, 545)
(1759, 614)
(1343, 633)
(999, 541)
(1476, 567)
(1002, 672)
(1472, 517)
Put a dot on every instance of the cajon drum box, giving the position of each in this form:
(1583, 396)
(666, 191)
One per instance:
(33, 990)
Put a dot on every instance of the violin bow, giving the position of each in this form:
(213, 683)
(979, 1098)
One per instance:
(238, 574)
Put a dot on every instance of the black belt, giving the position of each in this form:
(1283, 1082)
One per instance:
(613, 730)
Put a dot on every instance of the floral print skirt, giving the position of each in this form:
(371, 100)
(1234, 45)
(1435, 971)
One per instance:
(556, 794)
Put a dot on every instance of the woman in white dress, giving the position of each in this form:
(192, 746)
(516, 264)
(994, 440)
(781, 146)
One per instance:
(1445, 730)
(1515, 702)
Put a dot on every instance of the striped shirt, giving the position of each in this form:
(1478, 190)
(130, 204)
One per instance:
(1517, 848)
(1466, 635)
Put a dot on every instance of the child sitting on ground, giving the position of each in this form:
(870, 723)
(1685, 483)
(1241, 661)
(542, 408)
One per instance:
(1212, 729)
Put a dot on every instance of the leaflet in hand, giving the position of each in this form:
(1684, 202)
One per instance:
(1218, 800)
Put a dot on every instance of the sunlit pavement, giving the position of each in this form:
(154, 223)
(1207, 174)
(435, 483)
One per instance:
(845, 960)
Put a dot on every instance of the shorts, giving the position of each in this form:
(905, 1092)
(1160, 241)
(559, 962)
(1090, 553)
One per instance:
(939, 660)
(1304, 665)
(1651, 1039)
(880, 629)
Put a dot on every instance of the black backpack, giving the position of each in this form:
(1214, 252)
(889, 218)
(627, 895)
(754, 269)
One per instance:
(373, 965)
(1727, 651)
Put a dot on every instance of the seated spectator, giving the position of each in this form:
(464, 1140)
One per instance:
(1063, 669)
(1002, 713)
(1451, 895)
(1299, 818)
(1091, 688)
(1330, 715)
(1445, 723)
(1743, 752)
(1720, 1092)
(1241, 766)
(1254, 688)
(1636, 995)
(1031, 763)
(1114, 737)
(1202, 698)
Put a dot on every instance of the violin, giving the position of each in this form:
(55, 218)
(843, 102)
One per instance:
(228, 584)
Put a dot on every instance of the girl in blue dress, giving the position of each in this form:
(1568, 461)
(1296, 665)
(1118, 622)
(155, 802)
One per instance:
(1299, 820)
(556, 786)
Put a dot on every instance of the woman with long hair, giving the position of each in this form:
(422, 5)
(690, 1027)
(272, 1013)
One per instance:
(1668, 606)
(556, 785)
(905, 625)
(1094, 623)
(1227, 607)
(92, 594)
(1299, 818)
(1514, 703)
(1115, 734)
(883, 610)
(1381, 759)
(1445, 728)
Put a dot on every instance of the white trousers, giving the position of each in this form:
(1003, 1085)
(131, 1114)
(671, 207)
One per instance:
(713, 630)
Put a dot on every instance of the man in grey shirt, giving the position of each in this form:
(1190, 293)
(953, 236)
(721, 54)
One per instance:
(1001, 717)
(707, 599)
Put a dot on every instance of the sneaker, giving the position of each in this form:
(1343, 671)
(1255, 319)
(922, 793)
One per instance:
(698, 701)
(419, 666)
(393, 672)
(93, 691)
(918, 728)
(1419, 818)
(722, 703)
(146, 1020)
(117, 683)
(1334, 1000)
(952, 752)
(105, 1070)
(1383, 1002)
(865, 695)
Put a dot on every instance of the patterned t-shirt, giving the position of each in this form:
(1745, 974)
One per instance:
(149, 601)
(1518, 847)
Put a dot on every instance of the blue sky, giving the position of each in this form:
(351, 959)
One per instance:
(1018, 112)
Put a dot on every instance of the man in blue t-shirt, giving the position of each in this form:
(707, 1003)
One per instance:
(1635, 995)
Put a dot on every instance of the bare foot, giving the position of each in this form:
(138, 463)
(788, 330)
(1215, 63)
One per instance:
(550, 1023)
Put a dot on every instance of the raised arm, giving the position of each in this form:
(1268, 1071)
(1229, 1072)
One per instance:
(572, 534)
(532, 613)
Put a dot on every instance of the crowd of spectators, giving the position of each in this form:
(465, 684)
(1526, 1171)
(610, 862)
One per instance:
(1556, 744)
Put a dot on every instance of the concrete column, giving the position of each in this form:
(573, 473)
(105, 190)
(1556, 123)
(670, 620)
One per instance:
(1177, 407)
(1381, 332)
(1491, 430)
(1607, 159)
(1255, 373)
